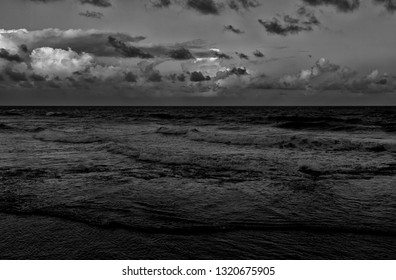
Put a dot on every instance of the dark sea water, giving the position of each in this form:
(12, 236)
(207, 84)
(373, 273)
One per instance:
(197, 183)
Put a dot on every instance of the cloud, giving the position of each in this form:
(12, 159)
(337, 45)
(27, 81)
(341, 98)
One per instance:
(45, 1)
(181, 77)
(238, 5)
(131, 77)
(59, 63)
(207, 7)
(305, 20)
(98, 3)
(92, 14)
(161, 3)
(215, 53)
(24, 48)
(233, 82)
(390, 5)
(207, 66)
(148, 71)
(104, 72)
(15, 75)
(340, 5)
(178, 51)
(90, 41)
(37, 78)
(47, 67)
(99, 43)
(233, 29)
(155, 77)
(258, 53)
(181, 54)
(127, 50)
(242, 56)
(197, 76)
(322, 71)
(325, 76)
(238, 71)
(124, 63)
(4, 54)
(222, 55)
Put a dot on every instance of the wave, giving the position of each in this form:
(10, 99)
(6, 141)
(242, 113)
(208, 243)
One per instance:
(325, 123)
(162, 162)
(327, 119)
(299, 125)
(295, 141)
(78, 137)
(176, 130)
(191, 227)
(6, 127)
(389, 127)
(163, 116)
(36, 129)
(25, 173)
(358, 171)
(12, 112)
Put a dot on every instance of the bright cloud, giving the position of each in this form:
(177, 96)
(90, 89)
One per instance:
(56, 62)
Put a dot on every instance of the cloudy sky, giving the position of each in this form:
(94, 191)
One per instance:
(197, 52)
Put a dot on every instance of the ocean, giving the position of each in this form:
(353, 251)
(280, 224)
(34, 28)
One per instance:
(198, 182)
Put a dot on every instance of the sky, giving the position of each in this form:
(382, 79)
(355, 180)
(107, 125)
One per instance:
(197, 52)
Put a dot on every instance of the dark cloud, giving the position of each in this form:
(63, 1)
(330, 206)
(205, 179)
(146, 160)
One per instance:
(214, 53)
(161, 3)
(130, 77)
(239, 71)
(53, 84)
(44, 1)
(127, 50)
(92, 14)
(223, 55)
(238, 5)
(178, 51)
(181, 77)
(242, 56)
(155, 77)
(98, 3)
(304, 21)
(340, 5)
(181, 54)
(4, 54)
(390, 5)
(37, 78)
(205, 7)
(24, 48)
(290, 20)
(233, 29)
(15, 76)
(257, 53)
(311, 20)
(197, 76)
(173, 77)
(275, 27)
